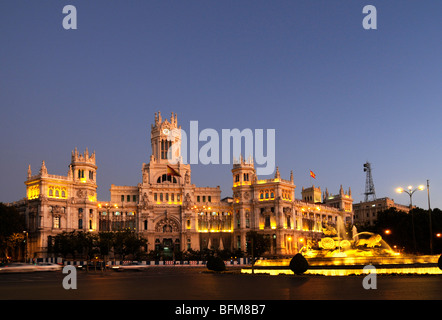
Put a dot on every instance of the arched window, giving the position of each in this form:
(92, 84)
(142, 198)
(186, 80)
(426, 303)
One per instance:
(165, 178)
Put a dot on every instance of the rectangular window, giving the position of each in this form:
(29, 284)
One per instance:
(204, 198)
(91, 175)
(209, 198)
(128, 198)
(178, 197)
(172, 197)
(90, 224)
(155, 197)
(167, 197)
(165, 146)
(122, 198)
(267, 222)
(80, 224)
(56, 222)
(198, 198)
(161, 197)
(134, 198)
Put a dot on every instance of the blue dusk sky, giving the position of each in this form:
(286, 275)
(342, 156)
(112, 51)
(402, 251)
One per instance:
(336, 94)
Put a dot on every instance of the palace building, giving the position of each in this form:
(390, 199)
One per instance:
(172, 213)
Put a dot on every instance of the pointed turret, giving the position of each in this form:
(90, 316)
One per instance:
(277, 174)
(43, 170)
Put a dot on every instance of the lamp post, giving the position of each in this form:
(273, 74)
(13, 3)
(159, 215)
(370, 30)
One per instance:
(429, 216)
(410, 191)
(26, 245)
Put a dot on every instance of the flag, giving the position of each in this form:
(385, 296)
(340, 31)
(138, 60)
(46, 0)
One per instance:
(312, 174)
(172, 172)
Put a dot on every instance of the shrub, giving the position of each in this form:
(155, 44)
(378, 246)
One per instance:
(215, 264)
(298, 264)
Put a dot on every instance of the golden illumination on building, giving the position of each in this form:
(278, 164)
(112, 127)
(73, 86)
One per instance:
(57, 192)
(241, 183)
(92, 198)
(33, 191)
(266, 195)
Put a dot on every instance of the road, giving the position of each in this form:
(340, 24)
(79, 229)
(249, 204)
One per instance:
(187, 283)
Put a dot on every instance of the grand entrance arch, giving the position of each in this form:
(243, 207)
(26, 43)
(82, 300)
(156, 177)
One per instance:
(167, 239)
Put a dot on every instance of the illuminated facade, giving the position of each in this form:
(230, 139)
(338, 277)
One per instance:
(165, 207)
(57, 203)
(269, 207)
(171, 212)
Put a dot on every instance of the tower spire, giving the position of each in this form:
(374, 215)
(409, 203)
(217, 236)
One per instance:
(43, 169)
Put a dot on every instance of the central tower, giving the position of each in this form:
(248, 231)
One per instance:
(165, 139)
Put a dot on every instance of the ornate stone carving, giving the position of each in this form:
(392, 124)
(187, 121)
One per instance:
(187, 202)
(145, 202)
(167, 225)
(81, 193)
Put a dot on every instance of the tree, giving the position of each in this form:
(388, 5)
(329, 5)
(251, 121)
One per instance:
(215, 263)
(257, 244)
(400, 225)
(11, 222)
(105, 242)
(127, 242)
(64, 244)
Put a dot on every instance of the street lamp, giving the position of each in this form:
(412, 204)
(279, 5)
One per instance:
(429, 216)
(410, 191)
(26, 245)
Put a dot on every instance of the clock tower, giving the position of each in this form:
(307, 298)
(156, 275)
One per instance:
(165, 139)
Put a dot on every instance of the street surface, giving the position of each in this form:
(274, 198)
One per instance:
(195, 283)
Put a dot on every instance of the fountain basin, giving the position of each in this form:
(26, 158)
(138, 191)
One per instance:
(338, 256)
(343, 266)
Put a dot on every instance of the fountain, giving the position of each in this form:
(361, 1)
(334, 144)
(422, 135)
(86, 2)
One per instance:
(340, 254)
